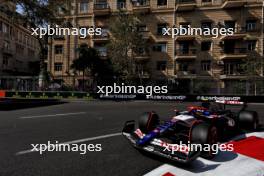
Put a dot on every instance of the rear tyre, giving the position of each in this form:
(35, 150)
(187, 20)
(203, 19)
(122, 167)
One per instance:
(207, 135)
(148, 121)
(248, 120)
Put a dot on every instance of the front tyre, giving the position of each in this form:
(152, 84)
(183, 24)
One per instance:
(206, 135)
(148, 121)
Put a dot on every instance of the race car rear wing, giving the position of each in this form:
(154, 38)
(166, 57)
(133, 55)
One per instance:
(232, 102)
(228, 102)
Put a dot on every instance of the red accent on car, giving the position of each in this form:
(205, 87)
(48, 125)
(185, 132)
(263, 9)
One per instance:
(191, 108)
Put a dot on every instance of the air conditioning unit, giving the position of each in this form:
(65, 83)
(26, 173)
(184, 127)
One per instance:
(185, 73)
(220, 62)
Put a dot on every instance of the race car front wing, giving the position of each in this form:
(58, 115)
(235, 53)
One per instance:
(155, 147)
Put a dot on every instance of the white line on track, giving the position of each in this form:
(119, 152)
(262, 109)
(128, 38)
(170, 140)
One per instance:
(52, 115)
(75, 142)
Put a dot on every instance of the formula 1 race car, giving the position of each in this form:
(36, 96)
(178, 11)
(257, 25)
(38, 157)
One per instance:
(205, 125)
(228, 123)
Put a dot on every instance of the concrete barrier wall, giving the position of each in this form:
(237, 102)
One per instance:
(89, 96)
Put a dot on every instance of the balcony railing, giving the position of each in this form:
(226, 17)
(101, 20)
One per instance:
(244, 29)
(7, 68)
(186, 73)
(104, 35)
(101, 6)
(252, 29)
(141, 55)
(234, 72)
(101, 52)
(227, 73)
(185, 1)
(7, 50)
(232, 0)
(235, 51)
(185, 5)
(233, 3)
(5, 35)
(144, 74)
(141, 3)
(186, 52)
(145, 34)
(58, 37)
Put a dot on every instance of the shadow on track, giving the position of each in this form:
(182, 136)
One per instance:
(14, 104)
(197, 166)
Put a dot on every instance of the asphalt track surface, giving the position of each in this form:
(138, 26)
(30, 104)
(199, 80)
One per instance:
(94, 122)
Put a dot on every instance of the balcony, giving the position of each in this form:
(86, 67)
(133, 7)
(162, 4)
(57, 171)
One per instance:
(185, 5)
(7, 68)
(58, 37)
(144, 75)
(141, 6)
(102, 51)
(239, 34)
(233, 4)
(7, 51)
(235, 53)
(232, 74)
(185, 38)
(185, 54)
(101, 9)
(144, 56)
(5, 36)
(121, 5)
(145, 34)
(104, 37)
(186, 74)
